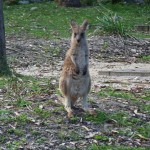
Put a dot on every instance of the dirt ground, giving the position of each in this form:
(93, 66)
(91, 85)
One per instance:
(44, 58)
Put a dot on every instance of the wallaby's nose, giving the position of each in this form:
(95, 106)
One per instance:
(78, 38)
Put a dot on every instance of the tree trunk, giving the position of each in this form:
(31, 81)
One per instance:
(69, 3)
(3, 63)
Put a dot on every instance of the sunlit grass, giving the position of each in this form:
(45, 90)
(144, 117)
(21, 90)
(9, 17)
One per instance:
(49, 20)
(109, 92)
(29, 115)
(145, 58)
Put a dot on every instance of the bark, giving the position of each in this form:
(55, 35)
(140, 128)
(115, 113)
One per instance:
(3, 63)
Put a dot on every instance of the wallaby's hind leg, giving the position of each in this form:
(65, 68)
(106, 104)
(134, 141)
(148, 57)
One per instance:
(86, 107)
(85, 103)
(68, 106)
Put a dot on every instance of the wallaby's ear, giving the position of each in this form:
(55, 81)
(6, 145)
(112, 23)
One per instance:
(84, 24)
(73, 24)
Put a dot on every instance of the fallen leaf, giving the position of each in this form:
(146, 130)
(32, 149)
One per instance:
(41, 106)
(87, 129)
(142, 137)
(115, 131)
(16, 113)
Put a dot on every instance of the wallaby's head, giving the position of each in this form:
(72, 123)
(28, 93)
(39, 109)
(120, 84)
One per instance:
(78, 31)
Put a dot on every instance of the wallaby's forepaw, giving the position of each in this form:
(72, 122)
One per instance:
(77, 70)
(70, 114)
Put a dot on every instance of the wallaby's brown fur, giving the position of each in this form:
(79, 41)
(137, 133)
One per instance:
(75, 81)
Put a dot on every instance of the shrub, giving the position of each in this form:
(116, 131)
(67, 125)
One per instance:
(111, 22)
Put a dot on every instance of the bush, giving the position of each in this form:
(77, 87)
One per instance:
(111, 22)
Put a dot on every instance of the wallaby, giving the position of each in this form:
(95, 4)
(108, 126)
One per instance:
(75, 81)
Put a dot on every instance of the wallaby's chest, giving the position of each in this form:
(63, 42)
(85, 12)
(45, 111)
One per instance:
(80, 59)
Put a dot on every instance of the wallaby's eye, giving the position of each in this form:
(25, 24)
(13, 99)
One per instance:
(75, 34)
(82, 35)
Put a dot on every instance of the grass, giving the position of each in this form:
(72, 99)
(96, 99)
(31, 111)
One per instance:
(69, 135)
(100, 118)
(42, 113)
(15, 131)
(21, 103)
(97, 147)
(52, 21)
(101, 138)
(109, 92)
(146, 94)
(145, 58)
(4, 112)
(135, 98)
(31, 115)
(15, 144)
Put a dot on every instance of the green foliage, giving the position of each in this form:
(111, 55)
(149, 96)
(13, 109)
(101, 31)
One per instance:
(4, 112)
(22, 119)
(144, 130)
(69, 135)
(21, 103)
(145, 107)
(74, 120)
(101, 138)
(145, 58)
(15, 131)
(121, 118)
(15, 144)
(111, 22)
(45, 22)
(73, 135)
(35, 133)
(100, 117)
(106, 92)
(3, 82)
(42, 113)
(2, 139)
(40, 140)
(106, 147)
(15, 87)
